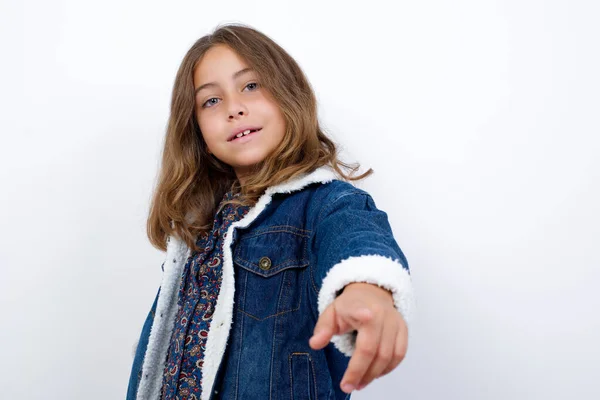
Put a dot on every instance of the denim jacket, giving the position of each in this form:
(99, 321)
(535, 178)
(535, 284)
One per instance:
(284, 263)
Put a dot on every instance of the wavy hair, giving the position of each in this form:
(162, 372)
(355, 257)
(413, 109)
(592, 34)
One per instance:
(192, 182)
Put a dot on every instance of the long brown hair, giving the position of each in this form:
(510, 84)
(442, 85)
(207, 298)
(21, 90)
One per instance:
(192, 182)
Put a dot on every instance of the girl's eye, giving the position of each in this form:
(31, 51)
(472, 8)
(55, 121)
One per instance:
(209, 103)
(253, 83)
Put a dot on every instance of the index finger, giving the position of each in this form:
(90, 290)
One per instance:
(367, 345)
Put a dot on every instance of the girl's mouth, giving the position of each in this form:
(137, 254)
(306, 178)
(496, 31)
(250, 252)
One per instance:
(245, 138)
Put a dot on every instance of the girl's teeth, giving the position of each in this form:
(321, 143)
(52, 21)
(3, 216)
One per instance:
(239, 135)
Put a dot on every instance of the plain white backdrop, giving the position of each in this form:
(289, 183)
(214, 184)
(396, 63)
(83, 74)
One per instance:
(480, 119)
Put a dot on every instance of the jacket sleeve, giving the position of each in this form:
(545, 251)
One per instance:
(139, 352)
(353, 242)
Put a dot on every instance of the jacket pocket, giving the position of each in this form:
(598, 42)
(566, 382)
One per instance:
(302, 377)
(273, 263)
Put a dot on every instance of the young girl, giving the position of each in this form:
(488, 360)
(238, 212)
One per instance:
(281, 279)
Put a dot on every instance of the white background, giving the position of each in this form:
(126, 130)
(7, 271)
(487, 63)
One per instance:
(479, 117)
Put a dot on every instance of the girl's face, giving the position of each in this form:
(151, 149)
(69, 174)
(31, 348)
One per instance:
(230, 99)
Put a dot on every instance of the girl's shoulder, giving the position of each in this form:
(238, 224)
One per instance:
(336, 188)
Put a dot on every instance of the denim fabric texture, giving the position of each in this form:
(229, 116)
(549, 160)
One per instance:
(136, 368)
(284, 262)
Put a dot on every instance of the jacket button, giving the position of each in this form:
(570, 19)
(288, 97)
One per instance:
(264, 263)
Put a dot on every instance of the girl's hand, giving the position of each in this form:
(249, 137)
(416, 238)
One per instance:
(382, 333)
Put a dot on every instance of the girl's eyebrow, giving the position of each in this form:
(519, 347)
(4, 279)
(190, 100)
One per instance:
(212, 84)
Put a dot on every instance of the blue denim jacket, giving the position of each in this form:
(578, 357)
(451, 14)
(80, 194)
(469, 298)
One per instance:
(284, 263)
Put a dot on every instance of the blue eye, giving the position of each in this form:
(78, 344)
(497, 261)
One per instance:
(212, 98)
(253, 83)
(209, 101)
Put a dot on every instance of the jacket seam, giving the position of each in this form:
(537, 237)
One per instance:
(313, 231)
(343, 194)
(310, 367)
(274, 339)
(277, 229)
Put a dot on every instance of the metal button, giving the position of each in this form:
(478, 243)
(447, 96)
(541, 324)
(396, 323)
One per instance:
(264, 263)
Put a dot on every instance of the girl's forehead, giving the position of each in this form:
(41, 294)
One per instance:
(219, 60)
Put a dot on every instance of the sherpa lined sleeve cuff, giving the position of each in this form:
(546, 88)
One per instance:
(375, 269)
(354, 243)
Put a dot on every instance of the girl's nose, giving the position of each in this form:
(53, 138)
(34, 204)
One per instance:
(240, 113)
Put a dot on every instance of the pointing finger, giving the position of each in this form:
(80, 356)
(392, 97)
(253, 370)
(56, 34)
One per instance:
(367, 346)
(325, 328)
